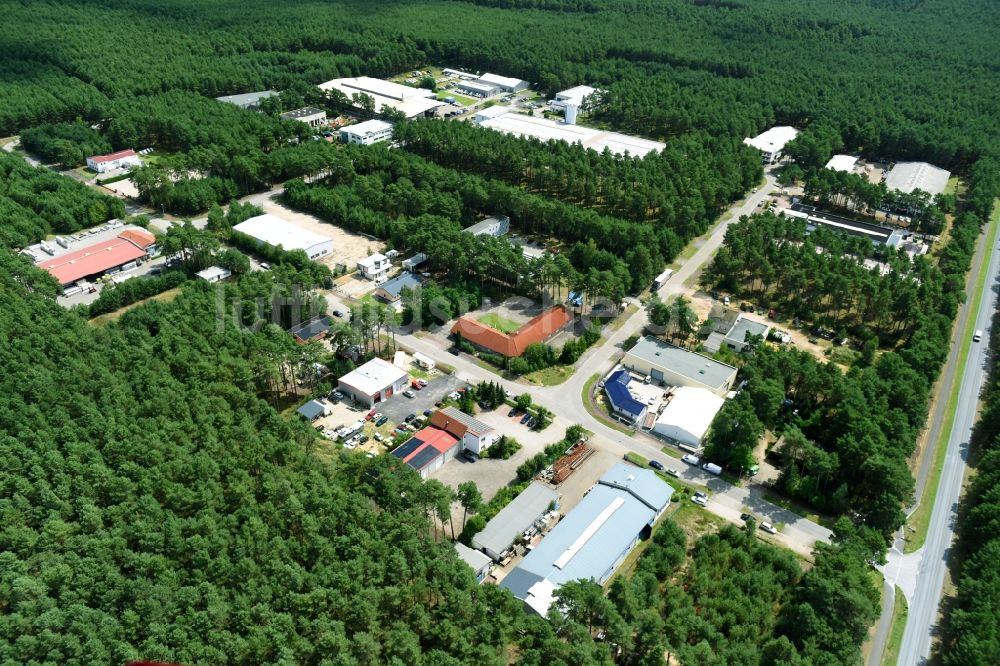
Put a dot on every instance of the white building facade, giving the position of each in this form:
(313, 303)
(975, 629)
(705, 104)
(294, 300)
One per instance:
(366, 133)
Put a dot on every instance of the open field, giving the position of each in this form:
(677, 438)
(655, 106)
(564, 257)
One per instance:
(166, 296)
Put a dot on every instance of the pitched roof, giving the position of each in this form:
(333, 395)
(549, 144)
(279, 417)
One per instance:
(100, 159)
(395, 286)
(425, 445)
(621, 398)
(139, 237)
(533, 502)
(373, 376)
(91, 260)
(536, 330)
(458, 422)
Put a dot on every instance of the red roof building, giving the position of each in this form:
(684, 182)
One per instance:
(99, 258)
(427, 450)
(539, 329)
(111, 157)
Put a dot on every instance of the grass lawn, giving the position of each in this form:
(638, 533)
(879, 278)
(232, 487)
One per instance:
(502, 324)
(620, 320)
(461, 99)
(557, 374)
(168, 295)
(952, 185)
(795, 508)
(895, 642)
(588, 386)
(921, 518)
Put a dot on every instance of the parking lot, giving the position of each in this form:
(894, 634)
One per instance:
(398, 407)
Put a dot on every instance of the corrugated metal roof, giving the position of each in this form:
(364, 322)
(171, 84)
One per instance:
(533, 502)
(697, 367)
(909, 176)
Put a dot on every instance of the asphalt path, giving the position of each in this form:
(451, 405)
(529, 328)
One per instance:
(934, 556)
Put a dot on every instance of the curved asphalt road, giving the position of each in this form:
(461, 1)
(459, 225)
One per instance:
(922, 618)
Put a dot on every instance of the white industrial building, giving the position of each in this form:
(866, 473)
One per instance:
(575, 96)
(477, 561)
(772, 142)
(845, 163)
(250, 101)
(366, 133)
(477, 89)
(375, 267)
(309, 115)
(491, 226)
(673, 366)
(412, 102)
(908, 177)
(504, 83)
(214, 274)
(517, 124)
(373, 382)
(688, 415)
(458, 73)
(274, 231)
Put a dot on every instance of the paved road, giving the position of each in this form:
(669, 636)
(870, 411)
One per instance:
(727, 500)
(923, 612)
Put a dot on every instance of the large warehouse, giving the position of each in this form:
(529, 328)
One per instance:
(507, 526)
(594, 538)
(108, 256)
(508, 121)
(505, 83)
(772, 142)
(413, 102)
(273, 231)
(674, 366)
(910, 176)
(688, 416)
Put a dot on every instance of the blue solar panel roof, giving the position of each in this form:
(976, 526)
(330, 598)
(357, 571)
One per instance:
(617, 389)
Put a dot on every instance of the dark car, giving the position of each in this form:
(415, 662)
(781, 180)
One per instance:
(525, 418)
(656, 464)
(409, 418)
(512, 412)
(454, 351)
(745, 517)
(364, 438)
(428, 413)
(381, 421)
(338, 313)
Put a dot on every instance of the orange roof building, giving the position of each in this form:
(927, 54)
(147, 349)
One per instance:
(539, 329)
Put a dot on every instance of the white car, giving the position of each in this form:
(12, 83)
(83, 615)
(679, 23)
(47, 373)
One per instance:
(691, 459)
(769, 528)
(700, 500)
(454, 395)
(378, 437)
(673, 472)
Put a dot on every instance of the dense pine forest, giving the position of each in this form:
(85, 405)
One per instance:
(155, 505)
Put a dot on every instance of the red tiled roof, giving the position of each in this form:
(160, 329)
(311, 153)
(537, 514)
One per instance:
(439, 440)
(139, 237)
(99, 159)
(536, 330)
(91, 260)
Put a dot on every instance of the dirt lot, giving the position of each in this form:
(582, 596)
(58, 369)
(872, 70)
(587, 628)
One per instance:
(517, 309)
(348, 247)
(123, 188)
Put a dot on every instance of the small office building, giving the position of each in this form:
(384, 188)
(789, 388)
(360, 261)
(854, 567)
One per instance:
(474, 435)
(477, 561)
(374, 267)
(771, 143)
(428, 450)
(620, 398)
(491, 226)
(373, 382)
(123, 159)
(214, 274)
(392, 290)
(477, 89)
(366, 133)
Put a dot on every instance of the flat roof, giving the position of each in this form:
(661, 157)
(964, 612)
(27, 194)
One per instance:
(842, 163)
(367, 127)
(477, 85)
(214, 272)
(691, 409)
(909, 176)
(312, 328)
(275, 231)
(91, 260)
(742, 326)
(372, 260)
(874, 232)
(588, 542)
(575, 94)
(544, 129)
(312, 409)
(411, 101)
(703, 369)
(247, 98)
(496, 79)
(772, 140)
(304, 112)
(373, 376)
(515, 518)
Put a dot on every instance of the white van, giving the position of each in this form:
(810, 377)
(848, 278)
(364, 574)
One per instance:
(977, 336)
(712, 468)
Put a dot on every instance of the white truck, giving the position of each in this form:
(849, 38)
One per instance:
(662, 278)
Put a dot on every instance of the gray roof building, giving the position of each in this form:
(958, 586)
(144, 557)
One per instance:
(393, 289)
(247, 100)
(475, 559)
(491, 226)
(312, 410)
(505, 527)
(675, 366)
(736, 338)
(909, 176)
(594, 538)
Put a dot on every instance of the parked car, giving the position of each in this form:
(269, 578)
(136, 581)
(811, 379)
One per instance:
(415, 384)
(338, 313)
(691, 459)
(656, 464)
(378, 437)
(525, 418)
(428, 413)
(454, 395)
(769, 528)
(370, 415)
(470, 456)
(381, 421)
(409, 418)
(673, 472)
(363, 439)
(700, 501)
(408, 393)
(265, 266)
(513, 412)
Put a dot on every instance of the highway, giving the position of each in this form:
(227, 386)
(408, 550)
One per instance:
(930, 573)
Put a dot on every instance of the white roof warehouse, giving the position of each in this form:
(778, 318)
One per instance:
(274, 231)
